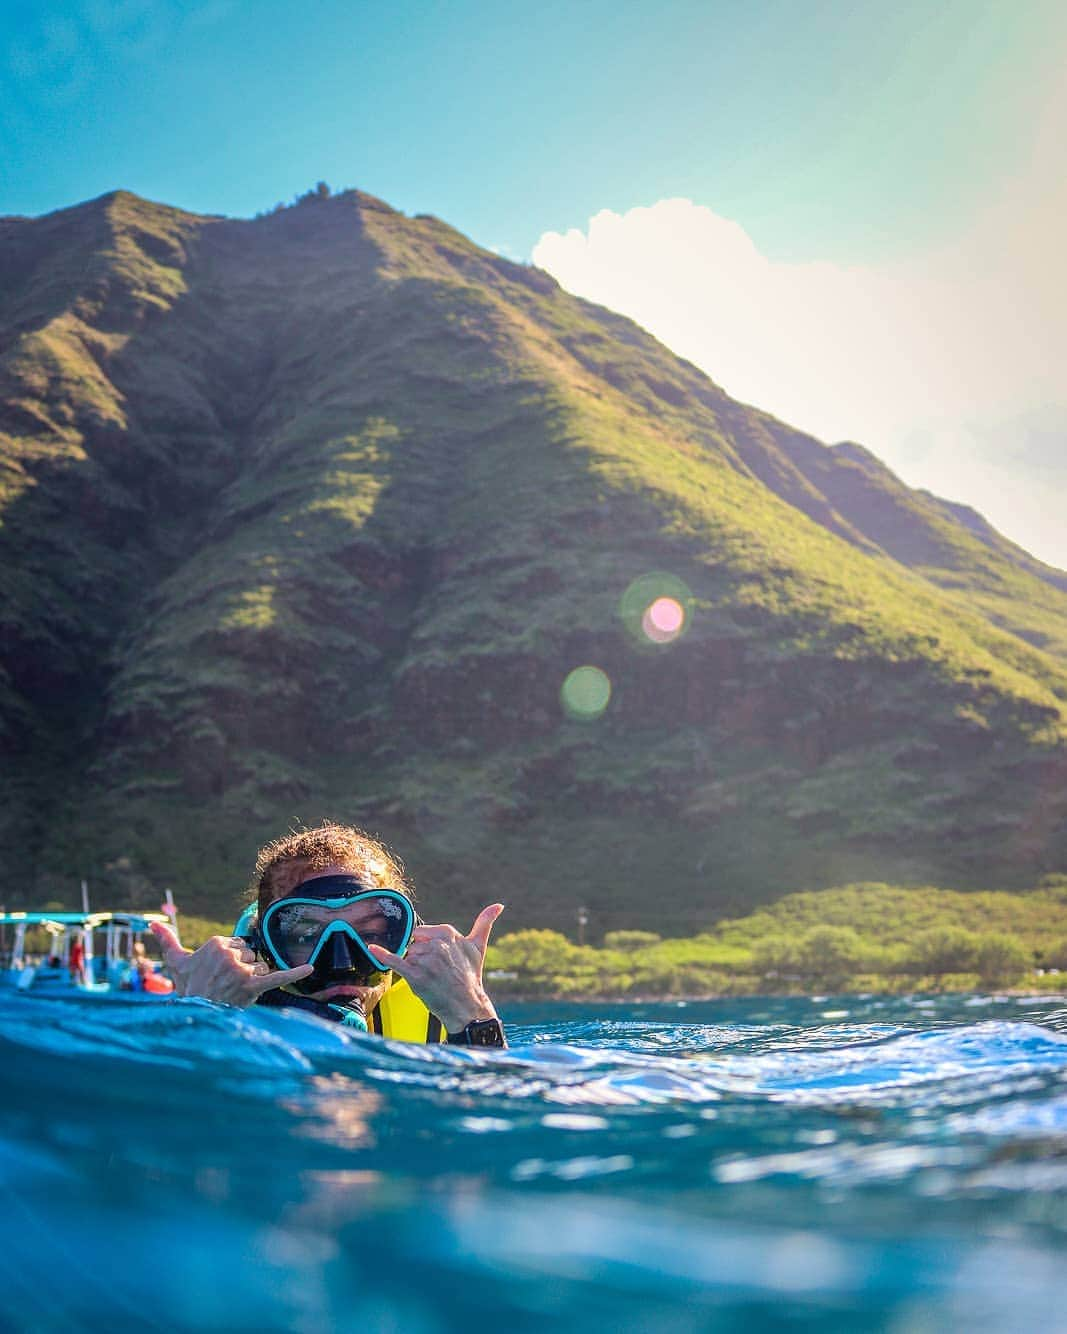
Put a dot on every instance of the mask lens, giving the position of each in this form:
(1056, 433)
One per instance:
(295, 929)
(378, 921)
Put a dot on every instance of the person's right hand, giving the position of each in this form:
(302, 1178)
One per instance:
(222, 969)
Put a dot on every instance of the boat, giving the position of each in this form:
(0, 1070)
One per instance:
(36, 951)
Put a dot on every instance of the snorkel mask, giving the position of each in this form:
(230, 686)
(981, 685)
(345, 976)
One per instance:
(329, 922)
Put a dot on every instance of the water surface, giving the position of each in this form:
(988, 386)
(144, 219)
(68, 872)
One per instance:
(882, 1164)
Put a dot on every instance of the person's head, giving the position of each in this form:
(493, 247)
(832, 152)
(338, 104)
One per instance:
(330, 849)
(288, 863)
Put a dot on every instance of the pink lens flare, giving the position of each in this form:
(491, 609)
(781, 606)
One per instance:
(663, 620)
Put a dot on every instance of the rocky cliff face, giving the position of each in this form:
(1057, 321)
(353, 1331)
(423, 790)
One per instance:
(313, 514)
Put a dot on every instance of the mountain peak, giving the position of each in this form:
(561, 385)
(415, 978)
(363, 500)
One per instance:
(318, 512)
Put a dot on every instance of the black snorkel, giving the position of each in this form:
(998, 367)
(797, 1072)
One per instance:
(341, 963)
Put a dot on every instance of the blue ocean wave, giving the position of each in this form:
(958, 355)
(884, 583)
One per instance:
(845, 1164)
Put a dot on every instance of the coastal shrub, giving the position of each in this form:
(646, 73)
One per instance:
(825, 956)
(776, 957)
(662, 984)
(1055, 955)
(1000, 959)
(882, 960)
(939, 951)
(531, 952)
(630, 940)
(829, 955)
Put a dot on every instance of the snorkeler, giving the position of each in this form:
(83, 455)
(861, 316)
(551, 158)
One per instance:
(333, 931)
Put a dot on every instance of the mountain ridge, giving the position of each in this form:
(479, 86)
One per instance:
(311, 513)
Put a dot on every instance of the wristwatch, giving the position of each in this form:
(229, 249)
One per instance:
(480, 1033)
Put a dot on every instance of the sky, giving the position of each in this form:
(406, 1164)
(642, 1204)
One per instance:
(849, 214)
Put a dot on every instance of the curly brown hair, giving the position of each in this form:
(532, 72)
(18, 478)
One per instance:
(283, 864)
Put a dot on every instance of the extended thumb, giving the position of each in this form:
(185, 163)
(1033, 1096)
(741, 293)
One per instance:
(168, 942)
(483, 924)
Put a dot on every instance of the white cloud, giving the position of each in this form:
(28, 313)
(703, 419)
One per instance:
(949, 365)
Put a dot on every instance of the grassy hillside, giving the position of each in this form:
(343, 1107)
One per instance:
(312, 515)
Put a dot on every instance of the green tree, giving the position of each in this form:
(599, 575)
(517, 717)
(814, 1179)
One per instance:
(883, 959)
(537, 957)
(775, 957)
(1000, 959)
(829, 955)
(1055, 955)
(941, 950)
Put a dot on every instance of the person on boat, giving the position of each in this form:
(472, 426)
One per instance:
(76, 962)
(332, 930)
(136, 969)
(141, 975)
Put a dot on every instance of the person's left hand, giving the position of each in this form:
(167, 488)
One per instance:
(222, 969)
(444, 969)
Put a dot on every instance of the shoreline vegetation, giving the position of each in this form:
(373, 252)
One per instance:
(860, 938)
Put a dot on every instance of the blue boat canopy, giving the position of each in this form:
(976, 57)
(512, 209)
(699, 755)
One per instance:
(137, 921)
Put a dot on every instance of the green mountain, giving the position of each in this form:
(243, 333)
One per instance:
(311, 515)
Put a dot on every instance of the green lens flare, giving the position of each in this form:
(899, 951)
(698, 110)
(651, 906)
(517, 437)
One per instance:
(585, 693)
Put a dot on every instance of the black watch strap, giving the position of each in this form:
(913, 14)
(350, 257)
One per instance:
(480, 1033)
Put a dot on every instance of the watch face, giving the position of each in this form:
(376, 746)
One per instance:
(485, 1033)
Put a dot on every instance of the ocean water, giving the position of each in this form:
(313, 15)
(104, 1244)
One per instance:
(823, 1164)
